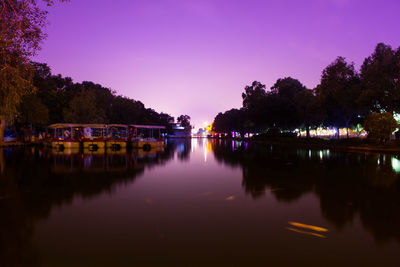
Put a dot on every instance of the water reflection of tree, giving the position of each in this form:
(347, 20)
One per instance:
(347, 184)
(35, 180)
(182, 146)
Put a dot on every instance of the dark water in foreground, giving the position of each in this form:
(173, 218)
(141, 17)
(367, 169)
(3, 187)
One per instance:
(198, 203)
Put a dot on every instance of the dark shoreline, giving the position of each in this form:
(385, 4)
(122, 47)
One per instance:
(351, 144)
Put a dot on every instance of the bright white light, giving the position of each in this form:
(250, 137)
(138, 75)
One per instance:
(395, 164)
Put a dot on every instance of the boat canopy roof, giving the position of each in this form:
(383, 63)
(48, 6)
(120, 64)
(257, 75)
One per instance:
(117, 125)
(147, 126)
(65, 125)
(93, 125)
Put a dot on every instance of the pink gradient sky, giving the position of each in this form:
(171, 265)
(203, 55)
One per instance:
(196, 56)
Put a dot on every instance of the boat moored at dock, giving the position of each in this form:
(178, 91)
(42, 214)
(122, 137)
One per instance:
(146, 136)
(64, 136)
(94, 136)
(117, 136)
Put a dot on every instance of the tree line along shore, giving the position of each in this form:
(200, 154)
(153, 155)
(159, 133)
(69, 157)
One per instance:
(58, 99)
(368, 98)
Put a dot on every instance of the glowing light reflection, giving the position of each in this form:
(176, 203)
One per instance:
(230, 198)
(396, 165)
(305, 232)
(308, 226)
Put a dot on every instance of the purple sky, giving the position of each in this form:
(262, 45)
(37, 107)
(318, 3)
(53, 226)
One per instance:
(196, 56)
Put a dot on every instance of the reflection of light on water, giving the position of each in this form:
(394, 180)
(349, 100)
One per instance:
(181, 148)
(230, 198)
(194, 146)
(322, 154)
(207, 148)
(305, 232)
(308, 226)
(87, 161)
(205, 151)
(309, 153)
(395, 164)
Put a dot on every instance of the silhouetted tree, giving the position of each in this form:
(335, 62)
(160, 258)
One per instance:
(84, 102)
(380, 125)
(284, 91)
(339, 90)
(83, 109)
(184, 121)
(380, 74)
(233, 120)
(310, 111)
(254, 99)
(33, 111)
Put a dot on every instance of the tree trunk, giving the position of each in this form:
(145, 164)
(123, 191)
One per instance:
(338, 132)
(2, 128)
(308, 131)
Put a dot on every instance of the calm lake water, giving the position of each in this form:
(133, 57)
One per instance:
(199, 203)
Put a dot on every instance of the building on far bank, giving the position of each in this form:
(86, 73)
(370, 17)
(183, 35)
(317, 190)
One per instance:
(180, 132)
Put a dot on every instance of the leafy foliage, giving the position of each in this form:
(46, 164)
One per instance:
(15, 82)
(380, 75)
(339, 91)
(284, 91)
(380, 125)
(84, 102)
(309, 109)
(33, 111)
(231, 120)
(21, 32)
(184, 121)
(83, 108)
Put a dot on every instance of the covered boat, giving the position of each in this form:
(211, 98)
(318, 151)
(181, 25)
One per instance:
(146, 136)
(94, 136)
(117, 136)
(65, 135)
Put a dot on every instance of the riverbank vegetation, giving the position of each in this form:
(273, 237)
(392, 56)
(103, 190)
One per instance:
(343, 99)
(59, 99)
